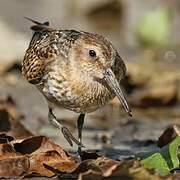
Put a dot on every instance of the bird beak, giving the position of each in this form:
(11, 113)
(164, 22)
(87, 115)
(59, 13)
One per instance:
(115, 87)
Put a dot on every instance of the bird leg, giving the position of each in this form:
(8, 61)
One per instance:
(66, 133)
(80, 123)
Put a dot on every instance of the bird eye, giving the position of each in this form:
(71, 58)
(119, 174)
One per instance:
(92, 53)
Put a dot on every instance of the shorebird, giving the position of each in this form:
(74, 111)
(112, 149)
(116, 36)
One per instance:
(76, 70)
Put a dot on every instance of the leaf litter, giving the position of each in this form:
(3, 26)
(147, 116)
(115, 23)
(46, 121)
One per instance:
(23, 154)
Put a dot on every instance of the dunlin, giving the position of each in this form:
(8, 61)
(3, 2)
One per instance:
(77, 70)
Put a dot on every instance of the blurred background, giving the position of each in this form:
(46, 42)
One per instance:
(146, 33)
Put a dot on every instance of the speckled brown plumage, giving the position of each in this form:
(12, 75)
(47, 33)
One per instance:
(76, 70)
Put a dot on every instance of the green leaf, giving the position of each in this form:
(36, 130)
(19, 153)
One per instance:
(164, 160)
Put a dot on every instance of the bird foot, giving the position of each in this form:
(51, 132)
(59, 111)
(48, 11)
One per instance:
(70, 138)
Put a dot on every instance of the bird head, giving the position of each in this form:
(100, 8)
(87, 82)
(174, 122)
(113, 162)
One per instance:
(95, 59)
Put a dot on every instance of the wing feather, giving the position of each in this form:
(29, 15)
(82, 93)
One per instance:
(41, 51)
(46, 45)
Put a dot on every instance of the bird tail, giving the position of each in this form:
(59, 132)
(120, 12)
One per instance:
(39, 27)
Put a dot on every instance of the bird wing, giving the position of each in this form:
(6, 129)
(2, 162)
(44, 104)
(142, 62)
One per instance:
(41, 51)
(46, 45)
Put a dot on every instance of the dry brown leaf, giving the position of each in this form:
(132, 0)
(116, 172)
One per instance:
(34, 155)
(7, 150)
(50, 163)
(86, 165)
(43, 153)
(104, 167)
(61, 166)
(9, 119)
(168, 135)
(5, 138)
(112, 168)
(89, 155)
(12, 163)
(90, 175)
(11, 126)
(138, 172)
(12, 167)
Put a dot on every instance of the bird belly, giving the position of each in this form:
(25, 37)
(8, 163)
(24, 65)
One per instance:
(61, 94)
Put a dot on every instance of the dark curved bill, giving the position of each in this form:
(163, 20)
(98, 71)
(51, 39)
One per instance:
(115, 87)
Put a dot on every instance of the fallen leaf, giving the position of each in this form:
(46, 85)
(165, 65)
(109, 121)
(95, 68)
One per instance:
(86, 165)
(12, 163)
(107, 168)
(106, 165)
(139, 172)
(9, 119)
(43, 152)
(168, 135)
(5, 138)
(90, 175)
(11, 126)
(14, 167)
(89, 155)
